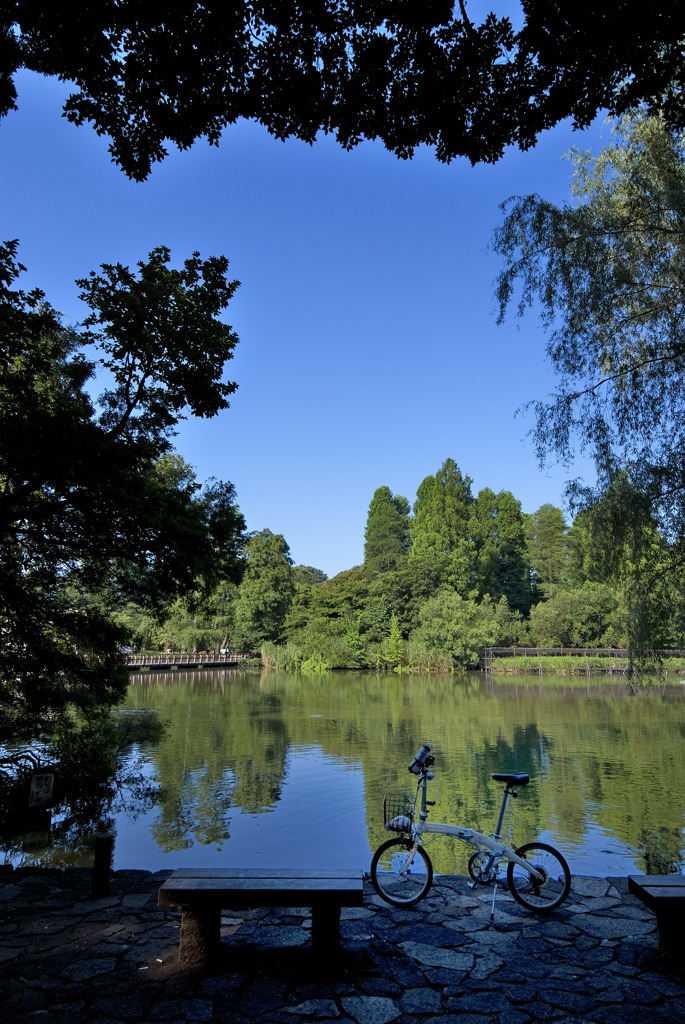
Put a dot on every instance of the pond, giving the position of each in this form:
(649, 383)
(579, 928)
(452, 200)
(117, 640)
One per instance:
(288, 770)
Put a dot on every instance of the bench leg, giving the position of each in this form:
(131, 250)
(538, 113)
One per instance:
(670, 931)
(200, 934)
(325, 928)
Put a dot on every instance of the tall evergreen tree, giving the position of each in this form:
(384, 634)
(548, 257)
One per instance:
(386, 538)
(441, 524)
(265, 593)
(498, 532)
(548, 550)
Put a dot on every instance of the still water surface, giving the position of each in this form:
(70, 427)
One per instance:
(290, 770)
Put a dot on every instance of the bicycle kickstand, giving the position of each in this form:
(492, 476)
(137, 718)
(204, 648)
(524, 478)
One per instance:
(492, 908)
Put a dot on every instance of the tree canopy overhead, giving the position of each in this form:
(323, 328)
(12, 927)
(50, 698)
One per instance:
(408, 72)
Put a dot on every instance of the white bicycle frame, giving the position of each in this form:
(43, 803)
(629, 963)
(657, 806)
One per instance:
(498, 849)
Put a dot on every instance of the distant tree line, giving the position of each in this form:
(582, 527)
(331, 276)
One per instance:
(441, 579)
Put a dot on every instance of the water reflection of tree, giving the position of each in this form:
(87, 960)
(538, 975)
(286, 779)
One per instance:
(98, 773)
(227, 749)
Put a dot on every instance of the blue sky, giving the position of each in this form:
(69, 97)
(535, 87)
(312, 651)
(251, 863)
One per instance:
(369, 350)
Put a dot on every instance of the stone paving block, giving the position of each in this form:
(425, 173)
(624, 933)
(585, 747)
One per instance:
(429, 934)
(485, 966)
(587, 886)
(137, 899)
(196, 1009)
(164, 1010)
(82, 970)
(478, 1002)
(370, 1009)
(315, 1008)
(438, 957)
(462, 1018)
(421, 1000)
(381, 986)
(575, 1002)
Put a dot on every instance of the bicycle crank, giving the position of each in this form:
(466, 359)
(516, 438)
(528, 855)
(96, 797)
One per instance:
(483, 869)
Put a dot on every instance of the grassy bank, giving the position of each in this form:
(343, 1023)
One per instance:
(572, 664)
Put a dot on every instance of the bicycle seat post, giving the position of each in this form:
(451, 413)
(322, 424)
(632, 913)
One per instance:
(512, 782)
(500, 817)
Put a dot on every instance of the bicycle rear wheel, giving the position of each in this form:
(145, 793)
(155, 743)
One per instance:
(552, 890)
(394, 880)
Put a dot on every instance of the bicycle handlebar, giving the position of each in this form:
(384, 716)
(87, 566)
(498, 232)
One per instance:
(422, 760)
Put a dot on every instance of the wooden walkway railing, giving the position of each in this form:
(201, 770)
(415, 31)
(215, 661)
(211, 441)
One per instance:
(182, 659)
(618, 655)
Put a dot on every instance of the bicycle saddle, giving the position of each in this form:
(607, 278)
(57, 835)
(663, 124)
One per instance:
(516, 779)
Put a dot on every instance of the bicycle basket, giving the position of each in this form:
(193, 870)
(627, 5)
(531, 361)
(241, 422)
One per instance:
(398, 811)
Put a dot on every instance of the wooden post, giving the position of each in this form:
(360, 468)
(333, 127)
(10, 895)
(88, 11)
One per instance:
(102, 864)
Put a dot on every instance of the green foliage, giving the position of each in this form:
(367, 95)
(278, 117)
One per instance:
(306, 579)
(407, 73)
(589, 617)
(407, 587)
(441, 524)
(607, 273)
(386, 538)
(394, 645)
(456, 628)
(501, 557)
(548, 550)
(265, 593)
(342, 597)
(161, 336)
(95, 510)
(96, 773)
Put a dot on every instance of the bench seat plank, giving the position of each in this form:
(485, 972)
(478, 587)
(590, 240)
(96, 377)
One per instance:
(265, 873)
(202, 892)
(640, 881)
(664, 894)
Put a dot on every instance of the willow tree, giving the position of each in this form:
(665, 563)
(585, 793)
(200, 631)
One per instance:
(607, 273)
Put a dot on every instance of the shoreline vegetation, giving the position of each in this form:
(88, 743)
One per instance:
(579, 664)
(502, 661)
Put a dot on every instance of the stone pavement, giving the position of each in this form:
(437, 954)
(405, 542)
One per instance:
(68, 959)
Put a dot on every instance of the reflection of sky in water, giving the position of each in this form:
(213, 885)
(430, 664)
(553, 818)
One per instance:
(319, 821)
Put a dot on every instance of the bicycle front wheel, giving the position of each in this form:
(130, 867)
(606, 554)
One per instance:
(395, 879)
(543, 894)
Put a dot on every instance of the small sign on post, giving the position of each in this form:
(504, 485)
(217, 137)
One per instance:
(42, 786)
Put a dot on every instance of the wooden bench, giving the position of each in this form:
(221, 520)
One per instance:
(203, 892)
(665, 895)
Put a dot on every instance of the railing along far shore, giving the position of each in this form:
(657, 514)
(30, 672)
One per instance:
(614, 660)
(183, 659)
